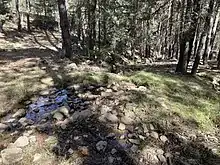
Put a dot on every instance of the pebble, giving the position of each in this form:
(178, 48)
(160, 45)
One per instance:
(141, 137)
(134, 148)
(101, 145)
(135, 141)
(22, 141)
(70, 151)
(111, 117)
(58, 116)
(64, 110)
(161, 158)
(19, 113)
(37, 157)
(121, 127)
(159, 151)
(154, 135)
(163, 139)
(127, 120)
(111, 159)
(3, 127)
(145, 128)
(113, 151)
(84, 150)
(151, 127)
(23, 121)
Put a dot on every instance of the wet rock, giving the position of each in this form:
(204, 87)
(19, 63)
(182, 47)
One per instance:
(121, 127)
(3, 127)
(154, 135)
(64, 110)
(22, 141)
(101, 145)
(163, 139)
(37, 157)
(161, 158)
(11, 155)
(135, 141)
(58, 116)
(134, 148)
(111, 117)
(19, 113)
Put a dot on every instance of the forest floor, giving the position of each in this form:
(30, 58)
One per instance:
(146, 114)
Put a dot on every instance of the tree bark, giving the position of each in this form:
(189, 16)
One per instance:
(210, 22)
(64, 25)
(18, 15)
(28, 15)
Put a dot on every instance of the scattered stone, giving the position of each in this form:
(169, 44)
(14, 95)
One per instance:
(161, 158)
(47, 81)
(22, 141)
(159, 151)
(111, 117)
(122, 137)
(147, 134)
(70, 151)
(11, 120)
(101, 145)
(168, 155)
(151, 127)
(130, 135)
(80, 115)
(51, 140)
(23, 121)
(3, 127)
(134, 148)
(141, 137)
(135, 141)
(64, 110)
(142, 88)
(127, 120)
(37, 157)
(163, 139)
(32, 139)
(84, 150)
(111, 159)
(11, 155)
(121, 127)
(111, 135)
(58, 116)
(113, 151)
(154, 135)
(145, 128)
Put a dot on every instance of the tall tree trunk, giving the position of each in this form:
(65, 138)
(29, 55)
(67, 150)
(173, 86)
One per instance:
(18, 15)
(28, 15)
(64, 25)
(215, 26)
(182, 63)
(171, 28)
(218, 61)
(210, 22)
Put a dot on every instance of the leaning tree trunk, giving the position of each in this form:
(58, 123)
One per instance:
(64, 25)
(18, 15)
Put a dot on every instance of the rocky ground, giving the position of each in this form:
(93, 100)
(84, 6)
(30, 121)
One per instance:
(105, 119)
